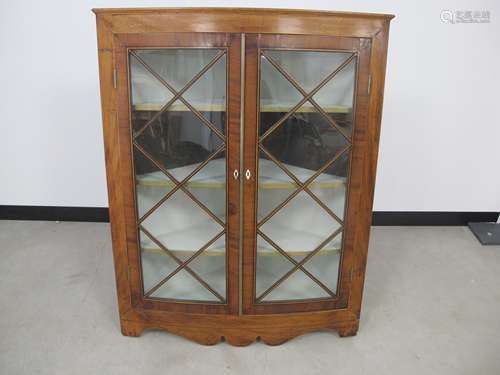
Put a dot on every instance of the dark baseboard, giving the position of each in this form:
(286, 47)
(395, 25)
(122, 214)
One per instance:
(380, 218)
(423, 218)
(55, 213)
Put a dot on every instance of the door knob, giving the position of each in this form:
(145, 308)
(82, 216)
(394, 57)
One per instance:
(236, 174)
(248, 174)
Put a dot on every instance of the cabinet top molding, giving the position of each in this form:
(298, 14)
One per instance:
(242, 20)
(242, 11)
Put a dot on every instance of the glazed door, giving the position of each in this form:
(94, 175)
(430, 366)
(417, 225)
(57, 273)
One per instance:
(305, 103)
(178, 114)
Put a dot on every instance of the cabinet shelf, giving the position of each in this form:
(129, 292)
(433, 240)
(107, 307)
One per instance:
(184, 239)
(184, 243)
(221, 252)
(211, 107)
(212, 176)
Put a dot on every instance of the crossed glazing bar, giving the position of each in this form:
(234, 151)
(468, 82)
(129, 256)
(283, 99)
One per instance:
(285, 254)
(298, 265)
(178, 94)
(302, 186)
(182, 265)
(307, 96)
(180, 185)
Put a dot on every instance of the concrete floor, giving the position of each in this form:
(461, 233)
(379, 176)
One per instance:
(432, 306)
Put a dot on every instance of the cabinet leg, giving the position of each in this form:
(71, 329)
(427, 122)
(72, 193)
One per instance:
(131, 329)
(350, 330)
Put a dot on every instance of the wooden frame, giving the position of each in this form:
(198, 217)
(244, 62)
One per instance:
(361, 48)
(240, 323)
(121, 47)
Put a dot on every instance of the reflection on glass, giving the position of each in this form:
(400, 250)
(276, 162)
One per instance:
(178, 66)
(180, 169)
(306, 143)
(308, 68)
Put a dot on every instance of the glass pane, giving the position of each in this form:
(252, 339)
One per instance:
(180, 224)
(274, 186)
(296, 287)
(337, 97)
(211, 264)
(147, 92)
(209, 186)
(208, 93)
(277, 95)
(276, 92)
(181, 141)
(310, 147)
(151, 183)
(271, 265)
(182, 285)
(325, 264)
(290, 228)
(330, 186)
(156, 264)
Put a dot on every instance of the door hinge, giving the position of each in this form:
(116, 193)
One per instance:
(114, 78)
(369, 84)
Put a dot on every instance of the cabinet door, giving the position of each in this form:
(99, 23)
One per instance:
(306, 100)
(178, 113)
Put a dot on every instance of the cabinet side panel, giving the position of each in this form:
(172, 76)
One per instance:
(377, 73)
(112, 156)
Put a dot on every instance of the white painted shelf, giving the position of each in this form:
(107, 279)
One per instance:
(212, 270)
(213, 176)
(183, 227)
(221, 107)
(184, 242)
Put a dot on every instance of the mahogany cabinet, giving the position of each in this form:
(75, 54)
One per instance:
(241, 149)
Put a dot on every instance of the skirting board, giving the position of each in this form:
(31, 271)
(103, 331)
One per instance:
(55, 213)
(380, 218)
(431, 218)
